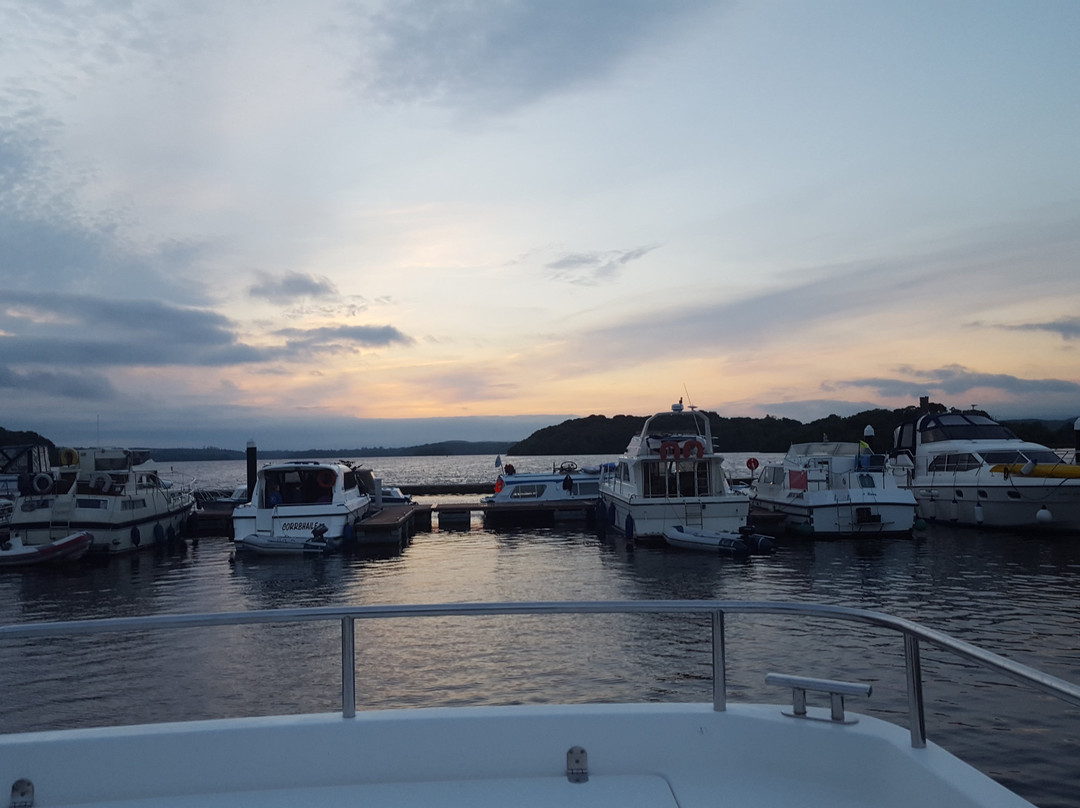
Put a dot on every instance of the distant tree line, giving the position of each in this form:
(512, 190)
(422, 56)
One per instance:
(600, 435)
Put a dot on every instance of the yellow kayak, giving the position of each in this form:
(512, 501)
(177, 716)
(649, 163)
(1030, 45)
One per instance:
(1062, 471)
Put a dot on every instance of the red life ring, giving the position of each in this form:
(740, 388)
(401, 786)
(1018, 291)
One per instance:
(498, 484)
(326, 478)
(751, 463)
(693, 448)
(669, 450)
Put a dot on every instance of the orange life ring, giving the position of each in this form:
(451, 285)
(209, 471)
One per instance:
(752, 463)
(669, 450)
(693, 448)
(326, 478)
(498, 484)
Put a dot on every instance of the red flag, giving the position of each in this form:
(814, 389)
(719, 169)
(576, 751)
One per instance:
(797, 480)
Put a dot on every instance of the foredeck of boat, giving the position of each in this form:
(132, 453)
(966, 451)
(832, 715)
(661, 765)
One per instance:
(528, 756)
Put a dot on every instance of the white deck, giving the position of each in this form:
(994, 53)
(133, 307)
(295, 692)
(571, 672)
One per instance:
(513, 757)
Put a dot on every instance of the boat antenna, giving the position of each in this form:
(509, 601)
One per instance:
(688, 404)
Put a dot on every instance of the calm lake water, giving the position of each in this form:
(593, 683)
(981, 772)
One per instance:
(1013, 594)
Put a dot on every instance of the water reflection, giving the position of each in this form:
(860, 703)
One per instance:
(1012, 594)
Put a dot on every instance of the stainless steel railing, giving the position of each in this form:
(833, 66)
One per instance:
(913, 634)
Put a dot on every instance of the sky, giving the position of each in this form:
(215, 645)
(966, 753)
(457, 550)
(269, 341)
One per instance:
(340, 224)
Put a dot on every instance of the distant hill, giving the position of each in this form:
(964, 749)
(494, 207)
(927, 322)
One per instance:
(443, 449)
(600, 435)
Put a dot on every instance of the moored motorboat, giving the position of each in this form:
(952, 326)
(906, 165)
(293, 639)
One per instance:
(812, 752)
(302, 506)
(13, 553)
(965, 468)
(567, 493)
(118, 495)
(830, 489)
(670, 475)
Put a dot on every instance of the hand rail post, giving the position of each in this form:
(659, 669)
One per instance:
(719, 675)
(348, 667)
(916, 706)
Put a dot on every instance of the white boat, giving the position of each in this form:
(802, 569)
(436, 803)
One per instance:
(567, 492)
(736, 545)
(302, 506)
(832, 489)
(118, 495)
(670, 475)
(811, 752)
(967, 469)
(13, 553)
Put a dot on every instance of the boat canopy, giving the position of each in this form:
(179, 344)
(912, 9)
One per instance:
(962, 426)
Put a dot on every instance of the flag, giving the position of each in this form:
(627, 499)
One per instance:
(796, 480)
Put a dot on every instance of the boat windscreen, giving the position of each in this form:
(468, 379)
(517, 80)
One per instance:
(956, 426)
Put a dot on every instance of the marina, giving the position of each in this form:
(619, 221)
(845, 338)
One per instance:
(1011, 593)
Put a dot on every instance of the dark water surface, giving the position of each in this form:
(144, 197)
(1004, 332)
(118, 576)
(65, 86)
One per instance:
(1015, 595)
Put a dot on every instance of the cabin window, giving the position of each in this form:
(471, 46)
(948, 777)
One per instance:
(866, 481)
(132, 504)
(686, 478)
(350, 480)
(91, 503)
(587, 489)
(964, 461)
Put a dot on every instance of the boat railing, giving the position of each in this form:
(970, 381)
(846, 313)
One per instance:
(913, 635)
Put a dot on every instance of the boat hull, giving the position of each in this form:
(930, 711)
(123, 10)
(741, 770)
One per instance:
(13, 553)
(115, 531)
(984, 497)
(837, 519)
(648, 519)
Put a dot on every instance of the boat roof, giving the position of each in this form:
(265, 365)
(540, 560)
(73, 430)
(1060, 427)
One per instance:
(678, 424)
(824, 448)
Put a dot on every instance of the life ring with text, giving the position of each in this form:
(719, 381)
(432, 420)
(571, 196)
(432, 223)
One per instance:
(326, 478)
(69, 457)
(42, 483)
(499, 484)
(101, 482)
(752, 463)
(693, 448)
(669, 450)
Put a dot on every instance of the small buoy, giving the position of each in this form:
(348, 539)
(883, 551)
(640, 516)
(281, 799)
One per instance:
(978, 513)
(1043, 515)
(920, 524)
(805, 529)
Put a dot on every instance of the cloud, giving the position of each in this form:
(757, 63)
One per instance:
(955, 380)
(1068, 328)
(68, 385)
(290, 286)
(588, 269)
(60, 329)
(341, 338)
(501, 55)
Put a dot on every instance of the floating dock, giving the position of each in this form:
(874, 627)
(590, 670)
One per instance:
(459, 514)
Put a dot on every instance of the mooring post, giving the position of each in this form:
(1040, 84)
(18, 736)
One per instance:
(252, 462)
